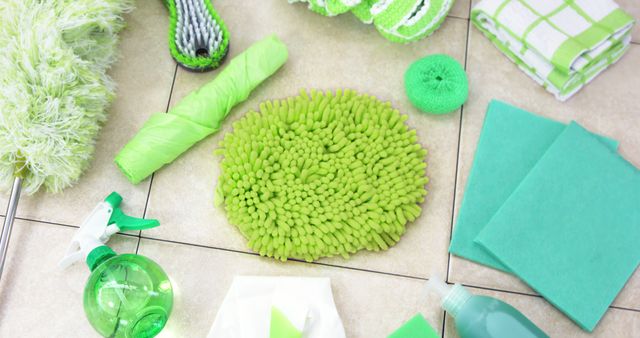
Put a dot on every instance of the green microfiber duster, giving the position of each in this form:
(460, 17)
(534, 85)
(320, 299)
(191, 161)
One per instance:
(322, 174)
(54, 90)
(164, 137)
(400, 21)
(436, 84)
(198, 38)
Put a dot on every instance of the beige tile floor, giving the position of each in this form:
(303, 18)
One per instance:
(374, 292)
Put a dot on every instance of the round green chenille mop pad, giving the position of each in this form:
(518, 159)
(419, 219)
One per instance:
(322, 174)
(436, 84)
(198, 38)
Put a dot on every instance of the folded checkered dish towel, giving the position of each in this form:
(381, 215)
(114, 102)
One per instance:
(561, 44)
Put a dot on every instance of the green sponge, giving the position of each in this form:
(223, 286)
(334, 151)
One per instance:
(416, 327)
(322, 174)
(436, 84)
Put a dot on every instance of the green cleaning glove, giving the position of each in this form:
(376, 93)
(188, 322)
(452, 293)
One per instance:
(165, 136)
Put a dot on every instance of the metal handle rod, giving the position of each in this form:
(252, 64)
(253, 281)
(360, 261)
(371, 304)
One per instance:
(8, 221)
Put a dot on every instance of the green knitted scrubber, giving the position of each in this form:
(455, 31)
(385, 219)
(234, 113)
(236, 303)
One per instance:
(406, 21)
(329, 7)
(363, 11)
(322, 174)
(318, 7)
(400, 21)
(198, 38)
(436, 84)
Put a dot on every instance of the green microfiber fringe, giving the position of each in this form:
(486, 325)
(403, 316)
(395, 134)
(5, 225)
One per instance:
(54, 87)
(322, 174)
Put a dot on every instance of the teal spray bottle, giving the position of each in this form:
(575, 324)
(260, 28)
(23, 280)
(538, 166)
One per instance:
(126, 296)
(482, 316)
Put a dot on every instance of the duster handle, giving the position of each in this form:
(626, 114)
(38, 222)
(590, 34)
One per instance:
(8, 221)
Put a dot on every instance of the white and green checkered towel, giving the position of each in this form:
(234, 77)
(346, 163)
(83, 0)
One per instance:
(561, 44)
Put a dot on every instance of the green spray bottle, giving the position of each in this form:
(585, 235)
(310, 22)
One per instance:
(126, 296)
(482, 316)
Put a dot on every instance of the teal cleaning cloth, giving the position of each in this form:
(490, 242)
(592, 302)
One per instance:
(571, 229)
(511, 143)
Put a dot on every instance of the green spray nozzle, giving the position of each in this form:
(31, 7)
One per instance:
(126, 222)
(105, 220)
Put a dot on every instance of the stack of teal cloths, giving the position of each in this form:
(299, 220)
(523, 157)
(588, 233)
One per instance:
(555, 205)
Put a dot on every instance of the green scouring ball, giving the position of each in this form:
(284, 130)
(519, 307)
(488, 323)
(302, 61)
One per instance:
(322, 174)
(436, 84)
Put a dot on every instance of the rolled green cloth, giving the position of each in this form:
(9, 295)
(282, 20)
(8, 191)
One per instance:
(164, 137)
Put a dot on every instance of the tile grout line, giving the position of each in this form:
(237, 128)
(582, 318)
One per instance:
(526, 294)
(457, 17)
(75, 227)
(391, 274)
(455, 182)
(144, 213)
(203, 246)
(153, 175)
(455, 178)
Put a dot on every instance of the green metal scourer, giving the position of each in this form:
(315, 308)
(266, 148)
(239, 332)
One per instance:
(198, 38)
(397, 20)
(322, 174)
(436, 84)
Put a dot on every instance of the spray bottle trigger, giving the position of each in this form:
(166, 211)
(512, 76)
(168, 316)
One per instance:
(125, 222)
(74, 254)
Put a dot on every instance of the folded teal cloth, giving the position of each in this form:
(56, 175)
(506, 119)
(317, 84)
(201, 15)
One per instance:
(511, 143)
(571, 229)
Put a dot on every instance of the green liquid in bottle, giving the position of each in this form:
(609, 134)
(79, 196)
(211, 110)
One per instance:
(128, 296)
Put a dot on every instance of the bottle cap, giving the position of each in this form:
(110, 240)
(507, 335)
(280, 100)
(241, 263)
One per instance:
(453, 297)
(98, 255)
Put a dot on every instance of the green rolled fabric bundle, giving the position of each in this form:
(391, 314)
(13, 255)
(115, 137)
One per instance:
(321, 175)
(164, 137)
